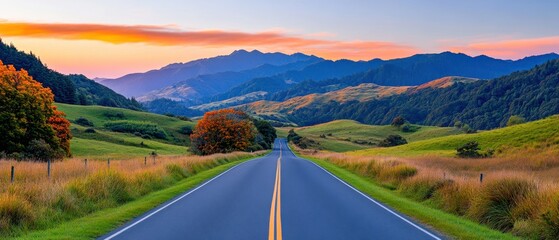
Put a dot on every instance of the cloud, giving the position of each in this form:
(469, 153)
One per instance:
(514, 49)
(172, 36)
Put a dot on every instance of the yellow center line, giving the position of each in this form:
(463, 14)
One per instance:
(276, 199)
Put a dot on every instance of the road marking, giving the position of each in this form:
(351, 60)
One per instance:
(274, 226)
(372, 200)
(174, 201)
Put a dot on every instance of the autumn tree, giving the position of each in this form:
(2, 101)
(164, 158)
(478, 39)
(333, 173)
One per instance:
(223, 131)
(27, 115)
(398, 121)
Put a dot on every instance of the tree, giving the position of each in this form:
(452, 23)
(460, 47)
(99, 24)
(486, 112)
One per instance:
(223, 131)
(398, 121)
(266, 133)
(393, 140)
(27, 115)
(515, 120)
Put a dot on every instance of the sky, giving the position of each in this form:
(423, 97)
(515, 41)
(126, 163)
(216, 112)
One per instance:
(113, 38)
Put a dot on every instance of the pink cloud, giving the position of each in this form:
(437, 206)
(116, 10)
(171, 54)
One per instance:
(513, 49)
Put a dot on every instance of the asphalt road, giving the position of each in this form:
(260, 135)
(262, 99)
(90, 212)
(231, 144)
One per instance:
(253, 201)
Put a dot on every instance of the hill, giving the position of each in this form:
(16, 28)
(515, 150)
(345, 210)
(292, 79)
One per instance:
(532, 94)
(138, 84)
(411, 71)
(73, 89)
(538, 134)
(361, 93)
(347, 135)
(106, 142)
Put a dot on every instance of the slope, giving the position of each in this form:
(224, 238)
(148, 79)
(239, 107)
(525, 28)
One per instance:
(537, 134)
(104, 142)
(347, 135)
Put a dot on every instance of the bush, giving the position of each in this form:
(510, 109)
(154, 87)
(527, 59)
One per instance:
(410, 128)
(186, 130)
(145, 128)
(471, 150)
(90, 130)
(393, 140)
(14, 210)
(40, 150)
(496, 201)
(114, 115)
(83, 122)
(515, 120)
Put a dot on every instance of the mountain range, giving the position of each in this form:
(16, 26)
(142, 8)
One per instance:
(138, 84)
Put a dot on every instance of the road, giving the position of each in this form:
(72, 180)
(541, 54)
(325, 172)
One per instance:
(278, 196)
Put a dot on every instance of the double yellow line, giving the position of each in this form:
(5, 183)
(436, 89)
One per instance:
(275, 208)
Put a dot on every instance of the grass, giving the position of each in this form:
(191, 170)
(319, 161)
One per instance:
(348, 135)
(104, 143)
(89, 200)
(537, 134)
(447, 223)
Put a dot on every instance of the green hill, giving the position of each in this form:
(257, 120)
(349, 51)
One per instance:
(348, 135)
(106, 143)
(537, 134)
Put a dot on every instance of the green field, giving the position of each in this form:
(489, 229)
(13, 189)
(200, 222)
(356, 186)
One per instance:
(108, 144)
(537, 134)
(347, 135)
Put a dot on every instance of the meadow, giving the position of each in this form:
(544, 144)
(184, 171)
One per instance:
(519, 191)
(121, 133)
(76, 188)
(348, 135)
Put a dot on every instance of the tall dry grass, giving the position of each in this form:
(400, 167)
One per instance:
(519, 192)
(35, 201)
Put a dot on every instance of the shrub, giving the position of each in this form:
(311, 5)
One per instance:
(90, 130)
(422, 188)
(398, 121)
(496, 200)
(410, 128)
(186, 130)
(114, 115)
(145, 128)
(40, 150)
(393, 140)
(515, 120)
(471, 150)
(550, 219)
(14, 210)
(83, 122)
(454, 198)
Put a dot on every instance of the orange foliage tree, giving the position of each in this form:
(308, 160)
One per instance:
(223, 131)
(29, 122)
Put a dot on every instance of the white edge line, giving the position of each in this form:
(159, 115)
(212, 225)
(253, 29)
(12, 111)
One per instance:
(374, 201)
(174, 201)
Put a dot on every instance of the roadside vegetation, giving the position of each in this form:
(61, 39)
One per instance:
(76, 188)
(514, 191)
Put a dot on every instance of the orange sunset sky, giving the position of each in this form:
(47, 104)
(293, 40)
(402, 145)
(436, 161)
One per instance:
(113, 38)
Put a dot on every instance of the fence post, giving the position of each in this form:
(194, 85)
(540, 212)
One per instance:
(12, 175)
(48, 168)
(444, 175)
(154, 159)
(481, 178)
(86, 164)
(109, 163)
(145, 161)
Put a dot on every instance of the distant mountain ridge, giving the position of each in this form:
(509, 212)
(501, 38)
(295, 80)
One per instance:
(138, 84)
(532, 94)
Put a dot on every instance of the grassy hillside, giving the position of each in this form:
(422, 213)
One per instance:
(105, 143)
(347, 135)
(537, 134)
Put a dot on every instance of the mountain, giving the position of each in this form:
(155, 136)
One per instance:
(73, 89)
(361, 93)
(138, 84)
(204, 86)
(316, 72)
(532, 94)
(412, 71)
